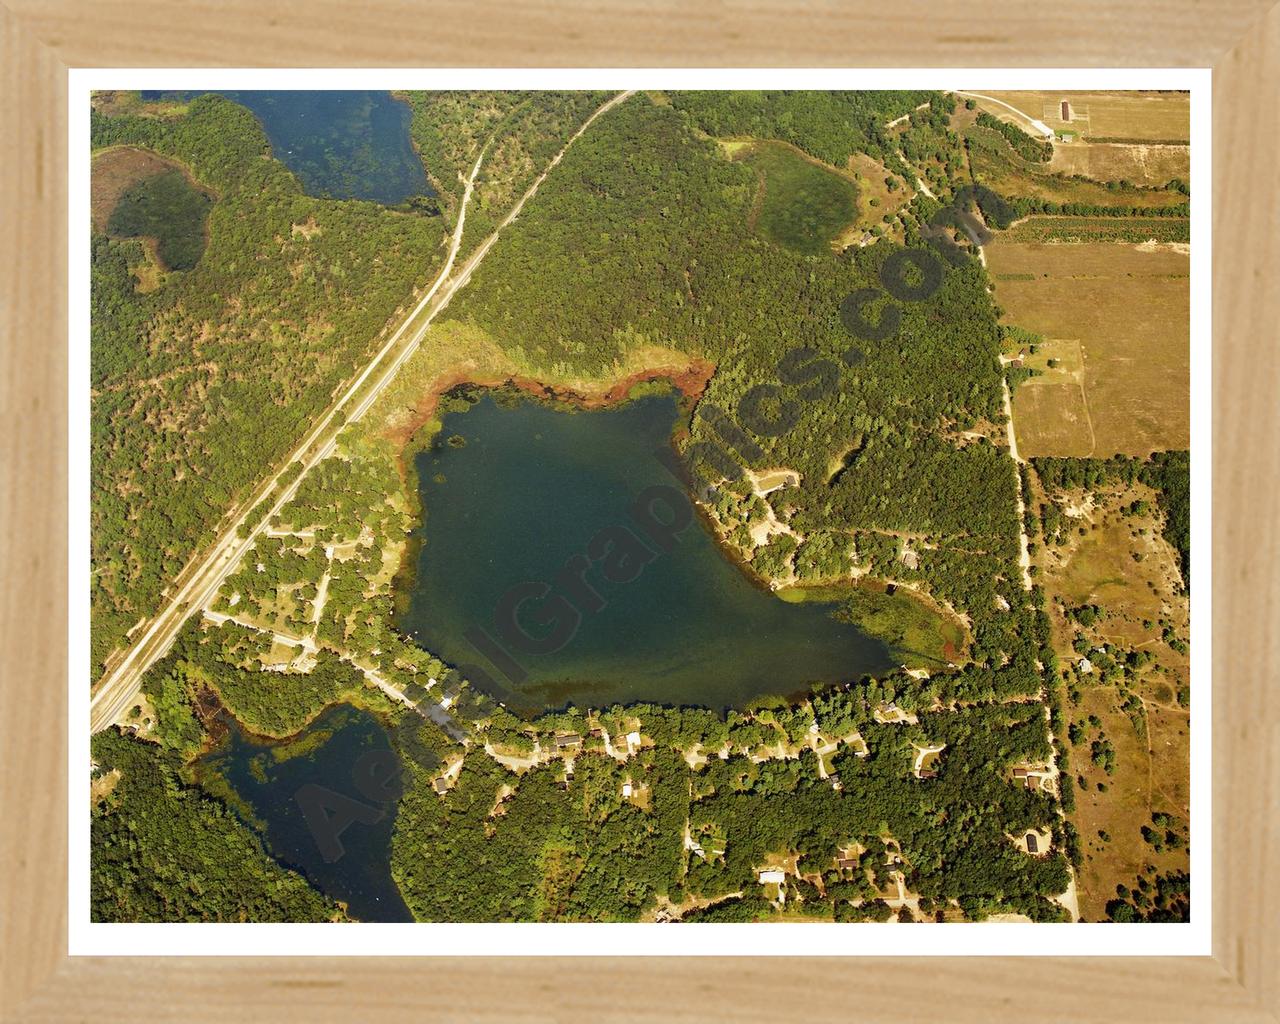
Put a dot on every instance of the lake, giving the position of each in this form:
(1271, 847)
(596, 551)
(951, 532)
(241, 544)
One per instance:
(292, 786)
(513, 488)
(343, 144)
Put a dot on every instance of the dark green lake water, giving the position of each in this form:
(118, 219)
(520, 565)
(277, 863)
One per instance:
(344, 144)
(511, 490)
(304, 790)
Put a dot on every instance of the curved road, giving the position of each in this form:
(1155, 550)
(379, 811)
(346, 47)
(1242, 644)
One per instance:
(1039, 126)
(118, 688)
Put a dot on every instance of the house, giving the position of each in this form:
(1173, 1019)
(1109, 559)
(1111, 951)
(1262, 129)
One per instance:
(928, 773)
(1015, 363)
(633, 740)
(1086, 666)
(847, 863)
(568, 740)
(775, 876)
(626, 790)
(1033, 781)
(441, 785)
(1019, 773)
(909, 558)
(1033, 844)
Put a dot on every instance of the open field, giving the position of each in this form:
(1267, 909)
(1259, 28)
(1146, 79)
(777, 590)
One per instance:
(1131, 116)
(169, 209)
(800, 203)
(1128, 309)
(1122, 564)
(1141, 163)
(114, 172)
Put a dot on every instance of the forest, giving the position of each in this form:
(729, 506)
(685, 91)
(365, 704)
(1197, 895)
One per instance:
(519, 133)
(829, 124)
(200, 386)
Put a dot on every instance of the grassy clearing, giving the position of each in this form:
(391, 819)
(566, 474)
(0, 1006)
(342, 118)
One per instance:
(1128, 307)
(875, 199)
(800, 204)
(114, 172)
(168, 208)
(1149, 116)
(919, 634)
(1123, 565)
(119, 102)
(1143, 164)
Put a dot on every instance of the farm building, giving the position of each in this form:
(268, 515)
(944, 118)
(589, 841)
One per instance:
(1066, 110)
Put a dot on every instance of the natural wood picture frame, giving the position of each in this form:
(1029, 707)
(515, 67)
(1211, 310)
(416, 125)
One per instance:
(41, 39)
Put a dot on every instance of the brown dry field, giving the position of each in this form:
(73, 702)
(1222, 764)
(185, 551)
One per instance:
(1164, 116)
(1141, 164)
(114, 172)
(1128, 308)
(1152, 773)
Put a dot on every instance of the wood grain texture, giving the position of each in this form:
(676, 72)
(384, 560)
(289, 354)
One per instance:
(657, 33)
(38, 40)
(1246, 593)
(33, 524)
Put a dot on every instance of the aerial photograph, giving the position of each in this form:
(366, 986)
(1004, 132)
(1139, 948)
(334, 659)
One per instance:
(654, 506)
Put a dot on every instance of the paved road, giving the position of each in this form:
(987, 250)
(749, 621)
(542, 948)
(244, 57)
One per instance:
(118, 688)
